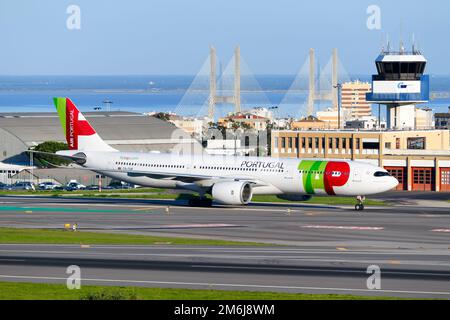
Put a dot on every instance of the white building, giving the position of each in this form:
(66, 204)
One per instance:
(232, 147)
(193, 126)
(365, 123)
(261, 112)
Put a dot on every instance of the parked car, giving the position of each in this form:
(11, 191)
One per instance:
(74, 185)
(93, 187)
(97, 187)
(47, 185)
(4, 186)
(23, 186)
(120, 185)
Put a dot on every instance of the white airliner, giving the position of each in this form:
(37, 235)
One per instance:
(230, 180)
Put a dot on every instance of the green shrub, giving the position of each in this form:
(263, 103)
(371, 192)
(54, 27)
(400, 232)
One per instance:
(110, 294)
(51, 147)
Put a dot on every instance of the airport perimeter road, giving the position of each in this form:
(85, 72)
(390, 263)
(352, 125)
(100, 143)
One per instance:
(309, 269)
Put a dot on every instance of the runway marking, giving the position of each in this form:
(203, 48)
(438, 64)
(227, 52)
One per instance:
(68, 210)
(194, 225)
(274, 268)
(312, 214)
(283, 210)
(343, 228)
(242, 249)
(76, 203)
(441, 230)
(147, 208)
(55, 207)
(56, 204)
(316, 270)
(233, 285)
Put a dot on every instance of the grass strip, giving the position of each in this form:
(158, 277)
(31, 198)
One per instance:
(42, 236)
(38, 291)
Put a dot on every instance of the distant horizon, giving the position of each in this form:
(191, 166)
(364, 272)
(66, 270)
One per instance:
(175, 93)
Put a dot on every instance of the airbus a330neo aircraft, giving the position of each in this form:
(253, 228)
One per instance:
(229, 180)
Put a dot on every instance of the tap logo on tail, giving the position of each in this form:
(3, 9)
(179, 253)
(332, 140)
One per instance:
(73, 122)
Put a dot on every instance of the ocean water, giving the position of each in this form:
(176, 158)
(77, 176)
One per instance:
(180, 94)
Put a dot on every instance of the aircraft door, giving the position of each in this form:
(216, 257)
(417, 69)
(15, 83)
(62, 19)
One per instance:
(357, 174)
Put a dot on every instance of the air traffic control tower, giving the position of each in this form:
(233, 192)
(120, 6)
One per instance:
(400, 84)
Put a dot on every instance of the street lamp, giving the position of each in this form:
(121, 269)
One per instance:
(339, 87)
(31, 164)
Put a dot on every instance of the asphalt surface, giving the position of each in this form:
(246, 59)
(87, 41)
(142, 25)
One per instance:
(326, 249)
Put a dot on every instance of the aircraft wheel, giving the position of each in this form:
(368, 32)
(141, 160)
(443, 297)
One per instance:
(359, 207)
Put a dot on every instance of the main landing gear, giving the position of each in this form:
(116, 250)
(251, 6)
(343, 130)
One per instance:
(360, 205)
(200, 202)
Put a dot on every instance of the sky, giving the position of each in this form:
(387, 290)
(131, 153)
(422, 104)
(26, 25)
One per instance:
(173, 36)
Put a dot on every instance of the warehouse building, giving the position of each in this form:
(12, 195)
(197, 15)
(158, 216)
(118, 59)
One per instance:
(125, 131)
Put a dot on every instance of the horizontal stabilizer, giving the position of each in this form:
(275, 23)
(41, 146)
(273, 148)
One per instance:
(79, 158)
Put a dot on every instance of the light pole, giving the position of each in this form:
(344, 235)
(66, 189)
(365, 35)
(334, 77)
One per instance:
(31, 165)
(339, 87)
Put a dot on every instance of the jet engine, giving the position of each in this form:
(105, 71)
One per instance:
(232, 192)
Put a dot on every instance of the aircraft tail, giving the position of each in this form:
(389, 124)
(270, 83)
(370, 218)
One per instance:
(80, 135)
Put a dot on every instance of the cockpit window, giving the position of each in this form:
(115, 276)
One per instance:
(382, 174)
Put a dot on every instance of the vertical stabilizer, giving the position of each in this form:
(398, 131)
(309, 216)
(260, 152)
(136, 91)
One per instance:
(80, 135)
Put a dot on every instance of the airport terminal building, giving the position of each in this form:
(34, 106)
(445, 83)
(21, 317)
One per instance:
(125, 131)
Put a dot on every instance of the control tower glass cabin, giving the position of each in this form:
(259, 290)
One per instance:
(400, 84)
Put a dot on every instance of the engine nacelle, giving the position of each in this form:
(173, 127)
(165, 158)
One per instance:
(232, 192)
(294, 197)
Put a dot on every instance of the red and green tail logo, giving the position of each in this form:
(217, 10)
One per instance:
(72, 121)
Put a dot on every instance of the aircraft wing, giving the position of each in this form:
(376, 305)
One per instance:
(189, 178)
(202, 180)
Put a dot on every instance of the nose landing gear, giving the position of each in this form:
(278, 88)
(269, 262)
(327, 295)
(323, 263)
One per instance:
(360, 205)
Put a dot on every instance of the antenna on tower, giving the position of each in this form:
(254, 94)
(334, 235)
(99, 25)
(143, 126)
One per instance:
(402, 47)
(388, 44)
(413, 43)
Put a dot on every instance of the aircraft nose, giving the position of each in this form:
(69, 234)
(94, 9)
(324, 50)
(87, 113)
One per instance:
(393, 183)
